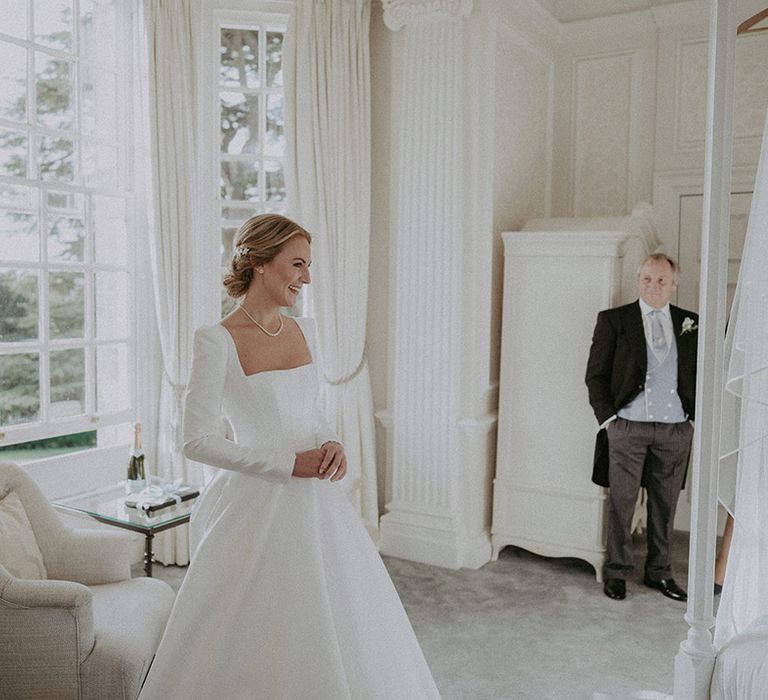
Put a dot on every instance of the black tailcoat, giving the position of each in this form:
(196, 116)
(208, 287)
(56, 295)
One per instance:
(618, 363)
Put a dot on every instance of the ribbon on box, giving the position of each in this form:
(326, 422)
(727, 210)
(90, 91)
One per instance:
(158, 493)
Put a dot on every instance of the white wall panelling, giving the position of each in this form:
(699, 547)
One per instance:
(691, 106)
(681, 103)
(750, 93)
(605, 117)
(523, 104)
(601, 137)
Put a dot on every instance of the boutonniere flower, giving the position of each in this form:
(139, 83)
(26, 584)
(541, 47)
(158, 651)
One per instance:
(688, 325)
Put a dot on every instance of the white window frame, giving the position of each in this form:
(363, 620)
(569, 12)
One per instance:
(90, 419)
(270, 15)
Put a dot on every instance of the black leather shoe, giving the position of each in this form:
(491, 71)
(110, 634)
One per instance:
(668, 587)
(718, 588)
(615, 588)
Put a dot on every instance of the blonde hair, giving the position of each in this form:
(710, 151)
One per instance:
(258, 240)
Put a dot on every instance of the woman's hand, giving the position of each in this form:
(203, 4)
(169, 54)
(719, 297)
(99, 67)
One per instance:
(320, 463)
(334, 462)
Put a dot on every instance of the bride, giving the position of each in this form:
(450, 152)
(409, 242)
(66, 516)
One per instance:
(286, 596)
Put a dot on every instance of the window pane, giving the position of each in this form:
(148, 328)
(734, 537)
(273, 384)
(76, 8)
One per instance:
(67, 201)
(240, 180)
(53, 23)
(54, 92)
(98, 31)
(15, 18)
(13, 152)
(239, 57)
(109, 230)
(66, 298)
(13, 81)
(113, 391)
(251, 123)
(56, 159)
(66, 238)
(274, 140)
(18, 236)
(274, 59)
(67, 383)
(17, 196)
(237, 214)
(18, 305)
(275, 182)
(19, 388)
(111, 305)
(98, 103)
(100, 166)
(239, 123)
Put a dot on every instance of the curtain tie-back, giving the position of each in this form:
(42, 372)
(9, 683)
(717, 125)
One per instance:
(348, 377)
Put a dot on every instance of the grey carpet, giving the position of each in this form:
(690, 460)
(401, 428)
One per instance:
(529, 627)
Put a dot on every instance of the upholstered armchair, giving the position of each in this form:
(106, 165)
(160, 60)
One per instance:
(76, 625)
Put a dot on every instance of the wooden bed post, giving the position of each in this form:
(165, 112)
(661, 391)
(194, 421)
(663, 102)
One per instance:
(695, 659)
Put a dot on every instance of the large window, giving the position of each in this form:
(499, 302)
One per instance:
(66, 272)
(250, 113)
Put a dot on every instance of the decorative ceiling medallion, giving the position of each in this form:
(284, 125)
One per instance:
(399, 13)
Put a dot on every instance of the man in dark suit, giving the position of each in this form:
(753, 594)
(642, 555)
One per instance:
(641, 377)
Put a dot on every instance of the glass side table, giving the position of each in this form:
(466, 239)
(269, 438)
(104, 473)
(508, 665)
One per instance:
(107, 505)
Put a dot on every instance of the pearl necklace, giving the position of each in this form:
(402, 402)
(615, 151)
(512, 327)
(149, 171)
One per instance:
(269, 333)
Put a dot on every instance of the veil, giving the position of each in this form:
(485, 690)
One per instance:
(744, 426)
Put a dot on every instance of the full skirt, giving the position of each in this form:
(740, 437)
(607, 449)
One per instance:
(286, 598)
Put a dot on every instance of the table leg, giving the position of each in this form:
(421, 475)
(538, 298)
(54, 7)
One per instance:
(148, 554)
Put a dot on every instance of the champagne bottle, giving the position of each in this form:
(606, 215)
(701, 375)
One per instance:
(137, 479)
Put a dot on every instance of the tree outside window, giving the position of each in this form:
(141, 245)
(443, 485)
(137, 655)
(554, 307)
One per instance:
(252, 140)
(49, 222)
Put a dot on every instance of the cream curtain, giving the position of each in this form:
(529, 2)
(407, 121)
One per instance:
(745, 590)
(327, 66)
(172, 107)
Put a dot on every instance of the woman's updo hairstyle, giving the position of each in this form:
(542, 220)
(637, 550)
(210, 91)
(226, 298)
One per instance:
(257, 242)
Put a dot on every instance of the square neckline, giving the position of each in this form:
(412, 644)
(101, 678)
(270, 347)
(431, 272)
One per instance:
(233, 345)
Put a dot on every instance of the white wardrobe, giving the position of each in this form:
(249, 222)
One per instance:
(558, 274)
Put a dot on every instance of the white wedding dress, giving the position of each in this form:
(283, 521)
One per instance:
(286, 597)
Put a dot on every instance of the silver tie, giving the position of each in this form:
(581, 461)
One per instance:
(658, 339)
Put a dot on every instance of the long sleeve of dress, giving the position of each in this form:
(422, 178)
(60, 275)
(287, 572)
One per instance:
(202, 408)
